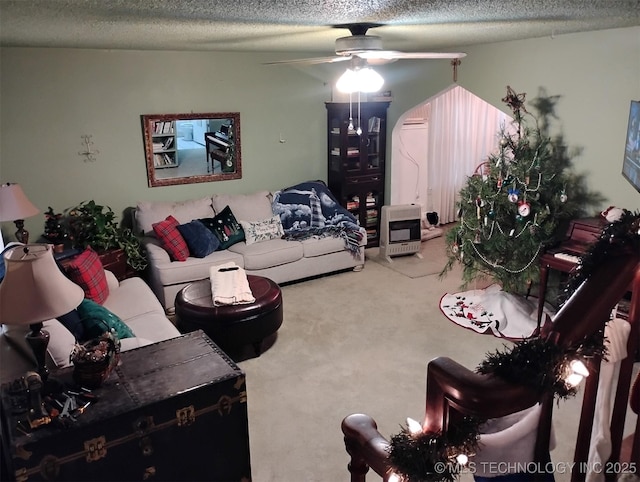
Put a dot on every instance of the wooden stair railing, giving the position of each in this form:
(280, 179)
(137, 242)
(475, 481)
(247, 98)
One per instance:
(454, 391)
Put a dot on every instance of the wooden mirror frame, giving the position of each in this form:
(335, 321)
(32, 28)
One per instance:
(233, 151)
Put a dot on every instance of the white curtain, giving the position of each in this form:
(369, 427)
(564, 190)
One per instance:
(436, 146)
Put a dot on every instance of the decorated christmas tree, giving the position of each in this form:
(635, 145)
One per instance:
(518, 202)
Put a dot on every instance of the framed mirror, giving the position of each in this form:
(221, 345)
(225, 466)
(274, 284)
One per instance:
(190, 148)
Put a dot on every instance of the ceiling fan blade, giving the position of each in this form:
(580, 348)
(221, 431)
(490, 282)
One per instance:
(396, 55)
(310, 61)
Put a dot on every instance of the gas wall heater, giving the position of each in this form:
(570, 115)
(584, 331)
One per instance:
(400, 230)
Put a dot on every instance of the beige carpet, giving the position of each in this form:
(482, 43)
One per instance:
(432, 261)
(358, 342)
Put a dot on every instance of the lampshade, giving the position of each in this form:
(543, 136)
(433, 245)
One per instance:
(14, 204)
(34, 289)
(360, 79)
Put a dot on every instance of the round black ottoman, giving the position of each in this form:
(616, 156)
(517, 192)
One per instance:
(231, 327)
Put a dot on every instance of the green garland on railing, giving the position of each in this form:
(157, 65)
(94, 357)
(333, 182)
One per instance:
(541, 365)
(432, 457)
(535, 363)
(617, 236)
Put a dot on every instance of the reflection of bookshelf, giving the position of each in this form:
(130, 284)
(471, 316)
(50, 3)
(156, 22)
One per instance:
(164, 144)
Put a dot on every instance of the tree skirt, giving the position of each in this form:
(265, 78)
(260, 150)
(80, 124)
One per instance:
(493, 311)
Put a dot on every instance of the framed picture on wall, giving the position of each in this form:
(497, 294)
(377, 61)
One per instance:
(631, 161)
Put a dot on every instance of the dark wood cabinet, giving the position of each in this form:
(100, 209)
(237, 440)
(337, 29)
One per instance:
(356, 160)
(114, 260)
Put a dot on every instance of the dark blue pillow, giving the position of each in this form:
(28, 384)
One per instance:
(200, 240)
(73, 323)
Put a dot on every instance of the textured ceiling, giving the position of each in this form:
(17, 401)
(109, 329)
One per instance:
(297, 25)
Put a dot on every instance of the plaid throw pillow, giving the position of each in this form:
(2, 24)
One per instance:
(86, 271)
(171, 239)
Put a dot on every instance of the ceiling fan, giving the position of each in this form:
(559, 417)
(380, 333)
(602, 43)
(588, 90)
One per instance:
(359, 45)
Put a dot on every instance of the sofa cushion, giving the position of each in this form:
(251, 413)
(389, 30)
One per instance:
(200, 239)
(226, 228)
(168, 273)
(153, 326)
(267, 254)
(320, 246)
(256, 231)
(61, 341)
(148, 213)
(171, 239)
(132, 298)
(96, 319)
(246, 207)
(86, 271)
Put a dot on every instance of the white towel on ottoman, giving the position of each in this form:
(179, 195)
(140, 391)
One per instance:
(229, 285)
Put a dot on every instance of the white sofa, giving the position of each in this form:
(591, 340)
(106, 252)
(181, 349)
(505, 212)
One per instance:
(131, 300)
(278, 259)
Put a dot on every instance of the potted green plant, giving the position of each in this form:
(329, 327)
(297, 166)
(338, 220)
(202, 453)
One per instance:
(54, 229)
(91, 224)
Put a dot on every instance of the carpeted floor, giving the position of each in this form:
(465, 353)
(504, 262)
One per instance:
(431, 261)
(358, 342)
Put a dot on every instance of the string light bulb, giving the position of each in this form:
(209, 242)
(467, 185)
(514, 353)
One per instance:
(393, 477)
(462, 459)
(414, 426)
(578, 372)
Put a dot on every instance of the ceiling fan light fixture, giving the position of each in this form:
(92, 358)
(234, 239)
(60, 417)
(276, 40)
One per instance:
(364, 79)
(347, 82)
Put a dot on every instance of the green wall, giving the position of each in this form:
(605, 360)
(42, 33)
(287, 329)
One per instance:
(50, 97)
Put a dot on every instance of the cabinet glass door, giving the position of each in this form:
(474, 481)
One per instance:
(374, 160)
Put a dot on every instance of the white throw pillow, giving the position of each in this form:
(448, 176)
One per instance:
(270, 228)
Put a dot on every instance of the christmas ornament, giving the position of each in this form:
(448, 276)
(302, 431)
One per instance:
(515, 101)
(524, 209)
(611, 214)
(513, 195)
(563, 197)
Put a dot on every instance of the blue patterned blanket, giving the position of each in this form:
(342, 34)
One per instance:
(309, 209)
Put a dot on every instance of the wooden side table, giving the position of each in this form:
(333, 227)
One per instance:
(114, 260)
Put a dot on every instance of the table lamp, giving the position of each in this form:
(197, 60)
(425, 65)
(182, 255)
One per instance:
(35, 290)
(14, 206)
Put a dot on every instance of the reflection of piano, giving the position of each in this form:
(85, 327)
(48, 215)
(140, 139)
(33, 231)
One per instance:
(217, 147)
(564, 257)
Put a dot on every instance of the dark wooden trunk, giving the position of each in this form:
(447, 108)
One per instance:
(174, 410)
